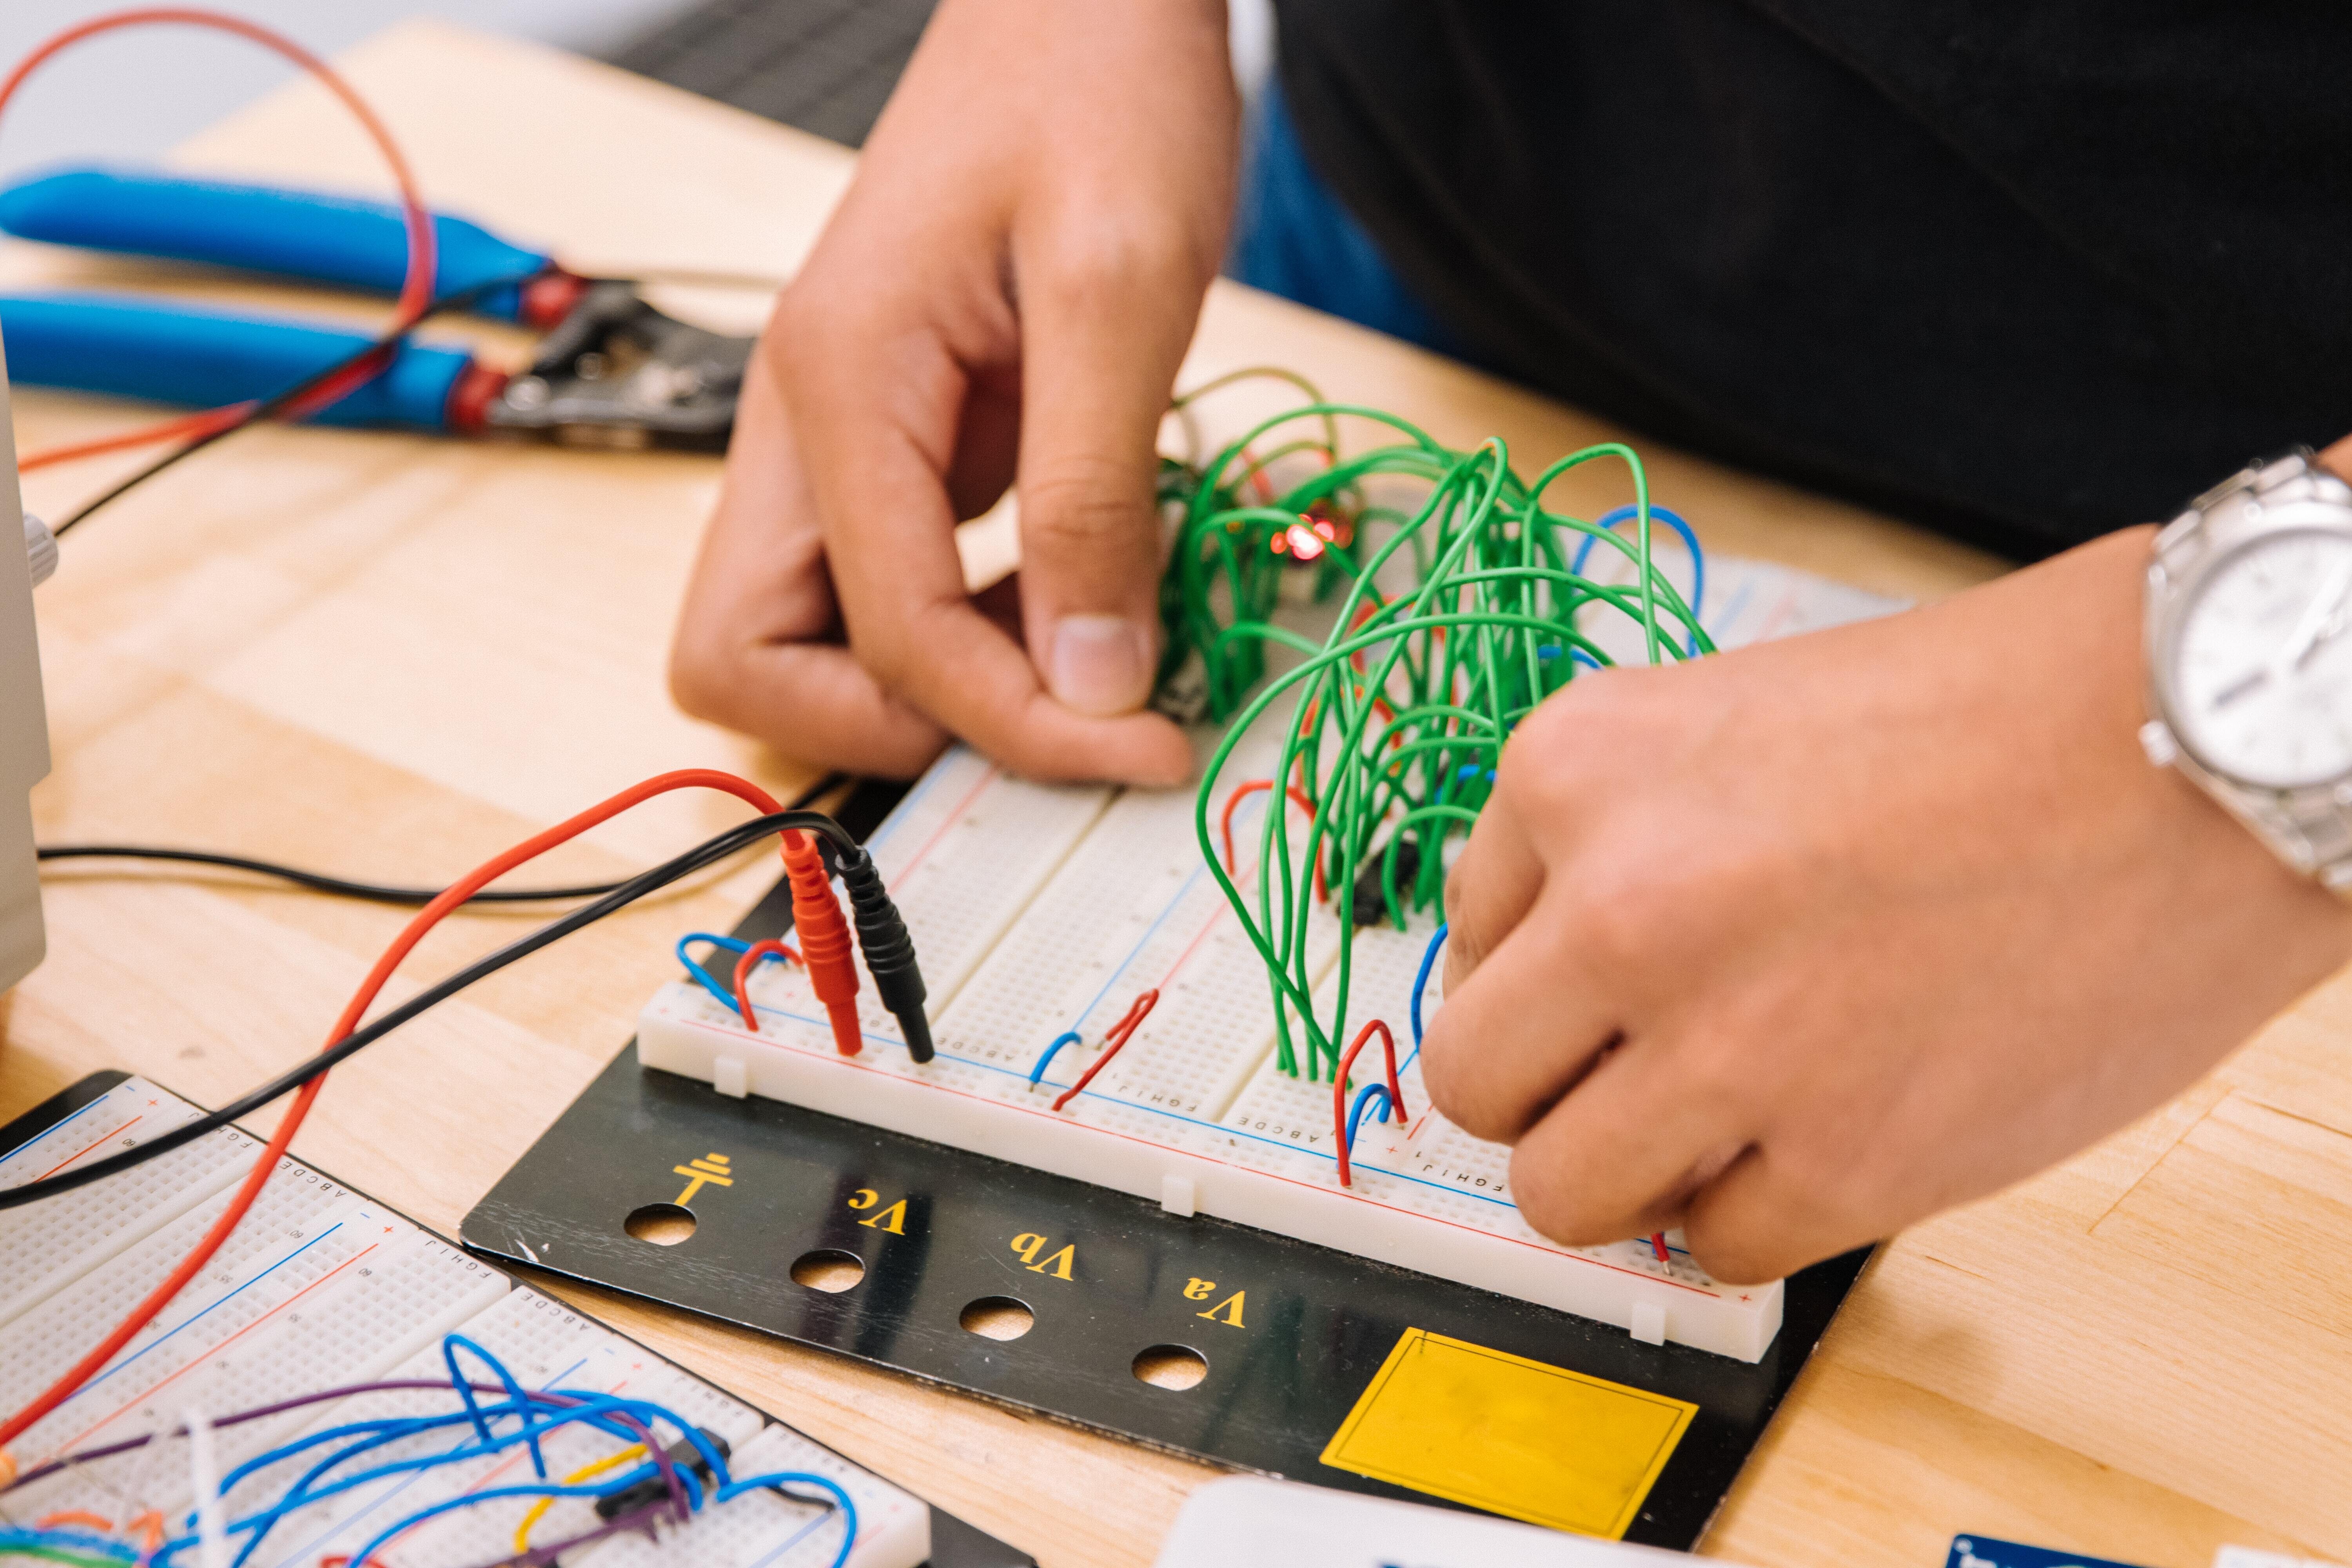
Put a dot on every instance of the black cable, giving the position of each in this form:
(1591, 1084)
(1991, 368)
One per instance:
(270, 408)
(704, 853)
(316, 881)
(373, 893)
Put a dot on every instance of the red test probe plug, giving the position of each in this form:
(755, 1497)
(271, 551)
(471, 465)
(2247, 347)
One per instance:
(823, 935)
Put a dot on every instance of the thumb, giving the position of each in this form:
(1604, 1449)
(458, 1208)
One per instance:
(1099, 352)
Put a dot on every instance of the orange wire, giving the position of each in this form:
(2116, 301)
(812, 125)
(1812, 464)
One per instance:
(75, 1516)
(1299, 797)
(148, 1527)
(743, 966)
(428, 916)
(1339, 1085)
(415, 289)
(1116, 1040)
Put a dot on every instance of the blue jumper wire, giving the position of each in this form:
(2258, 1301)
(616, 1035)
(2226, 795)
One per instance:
(631, 1420)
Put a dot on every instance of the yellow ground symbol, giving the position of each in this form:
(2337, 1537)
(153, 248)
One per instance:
(711, 1170)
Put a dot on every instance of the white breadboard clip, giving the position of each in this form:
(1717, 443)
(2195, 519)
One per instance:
(1178, 1196)
(1649, 1322)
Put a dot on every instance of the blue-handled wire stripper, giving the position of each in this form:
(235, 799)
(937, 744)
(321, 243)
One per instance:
(610, 369)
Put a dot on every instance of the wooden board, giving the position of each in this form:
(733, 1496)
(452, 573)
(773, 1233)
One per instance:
(392, 656)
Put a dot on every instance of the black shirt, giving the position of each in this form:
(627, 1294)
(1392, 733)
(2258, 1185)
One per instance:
(2025, 272)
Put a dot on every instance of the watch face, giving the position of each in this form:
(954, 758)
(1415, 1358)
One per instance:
(2261, 661)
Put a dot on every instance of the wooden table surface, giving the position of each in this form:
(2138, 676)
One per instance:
(393, 655)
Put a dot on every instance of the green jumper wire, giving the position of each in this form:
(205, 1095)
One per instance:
(1451, 628)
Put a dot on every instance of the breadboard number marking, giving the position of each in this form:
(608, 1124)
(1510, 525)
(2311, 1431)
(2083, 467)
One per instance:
(1227, 1311)
(708, 1171)
(1054, 1265)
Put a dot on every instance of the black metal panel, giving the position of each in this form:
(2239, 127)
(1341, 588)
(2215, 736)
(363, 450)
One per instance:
(1317, 1323)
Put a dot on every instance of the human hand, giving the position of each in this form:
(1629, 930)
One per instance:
(1795, 945)
(1008, 287)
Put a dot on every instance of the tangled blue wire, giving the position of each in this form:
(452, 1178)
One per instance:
(352, 1455)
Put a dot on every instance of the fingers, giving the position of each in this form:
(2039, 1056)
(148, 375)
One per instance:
(757, 644)
(885, 436)
(1759, 1221)
(1520, 1031)
(1105, 319)
(1489, 891)
(1623, 1153)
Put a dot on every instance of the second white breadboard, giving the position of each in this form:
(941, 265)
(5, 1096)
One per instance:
(321, 1289)
(1041, 913)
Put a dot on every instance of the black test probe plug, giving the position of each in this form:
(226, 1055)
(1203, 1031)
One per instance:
(889, 951)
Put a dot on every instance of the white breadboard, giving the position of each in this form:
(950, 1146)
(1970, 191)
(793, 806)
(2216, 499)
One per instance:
(1039, 911)
(320, 1289)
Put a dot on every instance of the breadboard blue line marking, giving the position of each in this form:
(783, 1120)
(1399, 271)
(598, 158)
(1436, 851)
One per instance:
(1142, 943)
(54, 1128)
(1173, 1115)
(803, 1534)
(1730, 613)
(193, 1318)
(905, 809)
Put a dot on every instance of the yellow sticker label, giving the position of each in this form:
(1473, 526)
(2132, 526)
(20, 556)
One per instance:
(1511, 1435)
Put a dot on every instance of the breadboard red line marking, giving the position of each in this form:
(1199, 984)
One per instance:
(93, 1143)
(1270, 1175)
(955, 815)
(111, 1416)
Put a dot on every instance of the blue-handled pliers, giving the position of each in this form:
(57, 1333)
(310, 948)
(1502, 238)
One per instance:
(611, 371)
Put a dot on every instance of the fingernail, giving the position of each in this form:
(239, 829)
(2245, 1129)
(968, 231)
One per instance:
(1101, 665)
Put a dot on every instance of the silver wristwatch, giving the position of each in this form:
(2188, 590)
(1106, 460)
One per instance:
(2249, 657)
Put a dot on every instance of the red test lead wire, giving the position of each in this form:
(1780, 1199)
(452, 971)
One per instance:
(798, 852)
(416, 287)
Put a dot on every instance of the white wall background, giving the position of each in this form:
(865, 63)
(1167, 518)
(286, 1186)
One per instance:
(127, 97)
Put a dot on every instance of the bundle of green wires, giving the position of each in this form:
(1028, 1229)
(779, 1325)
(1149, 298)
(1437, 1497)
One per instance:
(1450, 621)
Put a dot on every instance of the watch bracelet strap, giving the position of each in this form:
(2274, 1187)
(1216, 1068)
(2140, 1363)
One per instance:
(2313, 828)
(2310, 829)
